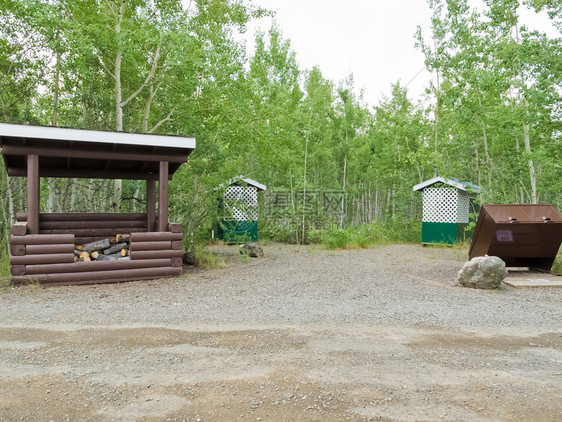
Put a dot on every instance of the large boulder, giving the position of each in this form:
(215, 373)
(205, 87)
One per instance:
(251, 249)
(483, 272)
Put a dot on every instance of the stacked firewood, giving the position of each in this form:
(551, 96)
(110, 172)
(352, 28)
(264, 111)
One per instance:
(104, 250)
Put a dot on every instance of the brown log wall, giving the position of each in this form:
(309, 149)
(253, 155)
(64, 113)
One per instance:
(48, 257)
(89, 227)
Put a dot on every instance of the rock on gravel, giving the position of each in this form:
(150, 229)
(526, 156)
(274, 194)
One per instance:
(483, 272)
(252, 250)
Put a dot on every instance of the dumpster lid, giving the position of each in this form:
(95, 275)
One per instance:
(517, 233)
(523, 213)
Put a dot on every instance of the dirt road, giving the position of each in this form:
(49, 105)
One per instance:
(302, 334)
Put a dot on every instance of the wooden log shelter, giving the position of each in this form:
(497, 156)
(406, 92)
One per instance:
(43, 246)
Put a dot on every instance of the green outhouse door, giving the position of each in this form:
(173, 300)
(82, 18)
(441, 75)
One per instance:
(238, 211)
(447, 204)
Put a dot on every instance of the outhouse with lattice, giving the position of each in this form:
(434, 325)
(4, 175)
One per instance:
(238, 210)
(447, 204)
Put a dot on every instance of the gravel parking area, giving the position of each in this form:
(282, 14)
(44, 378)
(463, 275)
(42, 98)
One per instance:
(301, 334)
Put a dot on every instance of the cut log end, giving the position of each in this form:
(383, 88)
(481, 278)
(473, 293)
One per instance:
(123, 238)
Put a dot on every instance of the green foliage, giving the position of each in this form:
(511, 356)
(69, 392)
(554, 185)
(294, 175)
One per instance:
(557, 266)
(4, 265)
(369, 235)
(207, 259)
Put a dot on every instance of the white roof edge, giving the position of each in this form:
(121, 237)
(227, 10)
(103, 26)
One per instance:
(455, 183)
(254, 183)
(239, 178)
(86, 135)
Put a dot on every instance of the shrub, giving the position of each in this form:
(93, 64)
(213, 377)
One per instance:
(376, 233)
(557, 266)
(4, 265)
(336, 239)
(207, 259)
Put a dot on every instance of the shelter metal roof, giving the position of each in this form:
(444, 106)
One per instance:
(80, 153)
(245, 180)
(464, 186)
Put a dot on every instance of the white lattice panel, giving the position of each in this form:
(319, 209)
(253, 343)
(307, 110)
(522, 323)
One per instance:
(241, 203)
(440, 205)
(463, 207)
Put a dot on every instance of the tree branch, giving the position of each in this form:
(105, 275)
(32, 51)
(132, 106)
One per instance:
(166, 119)
(148, 79)
(107, 70)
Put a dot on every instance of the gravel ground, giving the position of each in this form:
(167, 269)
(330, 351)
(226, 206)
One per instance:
(302, 334)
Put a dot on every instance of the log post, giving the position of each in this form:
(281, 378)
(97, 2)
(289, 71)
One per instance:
(33, 193)
(150, 205)
(163, 197)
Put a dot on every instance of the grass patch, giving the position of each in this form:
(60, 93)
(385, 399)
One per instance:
(5, 283)
(460, 251)
(370, 235)
(206, 259)
(4, 265)
(557, 266)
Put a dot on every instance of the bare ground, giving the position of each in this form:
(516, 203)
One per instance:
(302, 334)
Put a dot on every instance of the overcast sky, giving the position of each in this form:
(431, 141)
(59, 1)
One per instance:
(373, 39)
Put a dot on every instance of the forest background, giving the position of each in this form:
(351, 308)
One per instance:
(491, 117)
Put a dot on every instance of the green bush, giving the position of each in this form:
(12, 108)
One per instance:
(557, 266)
(315, 236)
(397, 230)
(207, 259)
(4, 265)
(376, 233)
(402, 230)
(337, 239)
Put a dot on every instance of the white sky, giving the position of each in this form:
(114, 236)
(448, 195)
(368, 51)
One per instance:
(373, 39)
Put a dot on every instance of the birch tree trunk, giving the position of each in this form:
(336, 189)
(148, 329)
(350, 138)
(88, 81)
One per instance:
(342, 215)
(486, 153)
(118, 183)
(436, 120)
(526, 127)
(10, 196)
(51, 185)
(532, 174)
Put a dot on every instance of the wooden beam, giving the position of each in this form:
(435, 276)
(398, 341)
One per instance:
(155, 254)
(85, 174)
(151, 237)
(45, 239)
(101, 276)
(143, 167)
(82, 267)
(33, 193)
(163, 245)
(93, 154)
(150, 205)
(52, 258)
(85, 216)
(163, 197)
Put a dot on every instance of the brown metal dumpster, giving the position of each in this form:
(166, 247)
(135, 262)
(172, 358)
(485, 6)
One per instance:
(521, 235)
